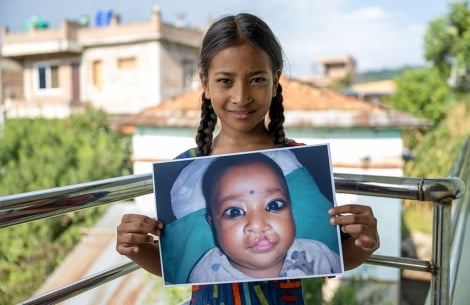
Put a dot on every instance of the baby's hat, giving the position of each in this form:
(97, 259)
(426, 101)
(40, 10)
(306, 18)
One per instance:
(186, 192)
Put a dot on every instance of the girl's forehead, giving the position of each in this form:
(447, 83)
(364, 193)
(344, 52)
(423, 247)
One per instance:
(242, 56)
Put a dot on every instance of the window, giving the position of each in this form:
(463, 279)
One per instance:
(97, 71)
(47, 76)
(126, 63)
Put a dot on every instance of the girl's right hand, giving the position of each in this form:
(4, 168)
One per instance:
(136, 233)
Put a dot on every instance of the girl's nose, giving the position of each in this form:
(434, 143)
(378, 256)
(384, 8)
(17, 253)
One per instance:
(241, 96)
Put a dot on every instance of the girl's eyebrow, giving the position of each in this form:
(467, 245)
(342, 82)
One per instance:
(227, 73)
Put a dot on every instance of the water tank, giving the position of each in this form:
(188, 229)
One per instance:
(103, 18)
(36, 22)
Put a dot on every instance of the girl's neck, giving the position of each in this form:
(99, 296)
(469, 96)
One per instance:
(225, 143)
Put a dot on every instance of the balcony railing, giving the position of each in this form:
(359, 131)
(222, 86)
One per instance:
(442, 193)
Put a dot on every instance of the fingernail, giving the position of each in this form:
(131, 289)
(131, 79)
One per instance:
(332, 221)
(331, 211)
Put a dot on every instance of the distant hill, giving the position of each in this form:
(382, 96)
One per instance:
(376, 75)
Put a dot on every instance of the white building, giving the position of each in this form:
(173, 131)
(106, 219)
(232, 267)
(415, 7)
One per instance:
(120, 68)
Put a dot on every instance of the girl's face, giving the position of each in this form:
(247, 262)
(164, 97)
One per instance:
(253, 220)
(240, 84)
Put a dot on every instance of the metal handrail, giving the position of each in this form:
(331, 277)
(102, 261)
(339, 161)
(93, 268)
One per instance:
(20, 208)
(461, 208)
(83, 285)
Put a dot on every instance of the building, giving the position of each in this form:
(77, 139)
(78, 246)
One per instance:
(373, 92)
(333, 70)
(11, 86)
(120, 68)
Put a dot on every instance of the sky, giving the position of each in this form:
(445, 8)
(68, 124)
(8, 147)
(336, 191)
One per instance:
(379, 34)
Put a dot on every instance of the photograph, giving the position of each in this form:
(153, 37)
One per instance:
(245, 217)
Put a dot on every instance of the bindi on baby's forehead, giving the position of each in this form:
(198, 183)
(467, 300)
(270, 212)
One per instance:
(251, 192)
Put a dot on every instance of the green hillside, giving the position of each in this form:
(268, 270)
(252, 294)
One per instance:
(376, 75)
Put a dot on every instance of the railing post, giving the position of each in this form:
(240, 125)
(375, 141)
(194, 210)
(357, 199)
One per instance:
(441, 252)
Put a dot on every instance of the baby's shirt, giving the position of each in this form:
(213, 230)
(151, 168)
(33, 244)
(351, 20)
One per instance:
(305, 257)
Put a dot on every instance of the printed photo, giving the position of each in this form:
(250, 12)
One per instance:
(251, 216)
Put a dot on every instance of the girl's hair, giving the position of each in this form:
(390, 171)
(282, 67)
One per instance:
(227, 32)
(220, 165)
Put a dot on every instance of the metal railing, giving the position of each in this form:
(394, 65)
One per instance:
(460, 246)
(31, 206)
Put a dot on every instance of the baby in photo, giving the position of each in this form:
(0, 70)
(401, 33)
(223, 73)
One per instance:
(250, 212)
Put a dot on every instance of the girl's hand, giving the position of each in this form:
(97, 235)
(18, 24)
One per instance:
(360, 222)
(136, 232)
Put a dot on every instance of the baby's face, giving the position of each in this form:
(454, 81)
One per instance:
(253, 219)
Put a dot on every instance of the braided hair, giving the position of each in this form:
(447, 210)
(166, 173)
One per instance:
(226, 32)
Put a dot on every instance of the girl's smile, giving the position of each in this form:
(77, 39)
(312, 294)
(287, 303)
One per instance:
(238, 114)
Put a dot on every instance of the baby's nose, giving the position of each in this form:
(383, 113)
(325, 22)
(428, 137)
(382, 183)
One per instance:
(256, 224)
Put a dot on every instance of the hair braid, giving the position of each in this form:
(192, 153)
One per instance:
(276, 118)
(206, 127)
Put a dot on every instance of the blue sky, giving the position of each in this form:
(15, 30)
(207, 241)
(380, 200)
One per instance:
(379, 34)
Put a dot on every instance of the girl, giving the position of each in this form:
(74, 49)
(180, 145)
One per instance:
(240, 64)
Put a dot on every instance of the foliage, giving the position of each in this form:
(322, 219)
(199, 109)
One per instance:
(312, 290)
(359, 291)
(40, 154)
(447, 45)
(444, 141)
(421, 92)
(384, 74)
(159, 294)
(355, 290)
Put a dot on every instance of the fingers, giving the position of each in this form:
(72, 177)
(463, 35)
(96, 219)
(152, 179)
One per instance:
(135, 231)
(351, 209)
(360, 222)
(140, 224)
(367, 243)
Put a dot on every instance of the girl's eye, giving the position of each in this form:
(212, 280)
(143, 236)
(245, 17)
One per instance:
(275, 205)
(258, 80)
(233, 212)
(224, 81)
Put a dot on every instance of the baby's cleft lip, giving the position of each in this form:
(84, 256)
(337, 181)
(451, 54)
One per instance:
(262, 245)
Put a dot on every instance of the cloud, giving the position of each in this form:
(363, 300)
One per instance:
(375, 37)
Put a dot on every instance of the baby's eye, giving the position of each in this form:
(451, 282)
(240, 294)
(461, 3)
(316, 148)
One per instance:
(233, 212)
(275, 205)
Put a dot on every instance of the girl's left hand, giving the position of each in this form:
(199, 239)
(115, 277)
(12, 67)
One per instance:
(359, 221)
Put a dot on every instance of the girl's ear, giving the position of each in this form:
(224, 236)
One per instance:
(205, 86)
(276, 78)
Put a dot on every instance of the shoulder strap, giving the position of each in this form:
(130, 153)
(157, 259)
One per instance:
(290, 142)
(190, 153)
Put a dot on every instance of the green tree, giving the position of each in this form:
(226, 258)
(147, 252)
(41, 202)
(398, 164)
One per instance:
(39, 154)
(421, 92)
(447, 45)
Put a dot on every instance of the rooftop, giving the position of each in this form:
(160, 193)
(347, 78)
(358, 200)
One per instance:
(306, 106)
